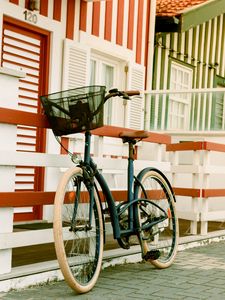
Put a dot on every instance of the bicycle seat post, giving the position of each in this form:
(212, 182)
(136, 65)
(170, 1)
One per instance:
(87, 146)
(131, 153)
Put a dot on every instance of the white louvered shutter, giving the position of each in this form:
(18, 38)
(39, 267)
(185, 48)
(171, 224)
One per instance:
(22, 52)
(76, 62)
(135, 119)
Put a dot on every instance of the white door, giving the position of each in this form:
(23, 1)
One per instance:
(24, 49)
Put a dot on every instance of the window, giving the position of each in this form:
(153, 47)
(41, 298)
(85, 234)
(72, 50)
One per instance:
(87, 67)
(219, 110)
(179, 104)
(104, 72)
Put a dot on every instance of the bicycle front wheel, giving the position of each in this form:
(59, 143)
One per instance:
(159, 241)
(78, 231)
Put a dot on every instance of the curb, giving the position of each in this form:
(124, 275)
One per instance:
(41, 273)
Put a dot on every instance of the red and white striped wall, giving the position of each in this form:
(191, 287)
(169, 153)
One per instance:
(120, 22)
(36, 43)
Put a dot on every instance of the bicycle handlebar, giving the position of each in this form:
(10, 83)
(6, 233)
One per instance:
(123, 94)
(132, 93)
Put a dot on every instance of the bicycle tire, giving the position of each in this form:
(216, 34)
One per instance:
(161, 240)
(78, 245)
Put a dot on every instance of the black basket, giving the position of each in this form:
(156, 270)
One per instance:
(75, 110)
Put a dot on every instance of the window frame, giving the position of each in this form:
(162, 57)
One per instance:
(185, 120)
(218, 82)
(118, 82)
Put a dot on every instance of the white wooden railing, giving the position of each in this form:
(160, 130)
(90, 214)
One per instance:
(186, 110)
(198, 174)
(198, 177)
(111, 163)
(108, 152)
(9, 200)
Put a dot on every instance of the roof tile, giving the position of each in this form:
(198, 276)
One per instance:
(168, 8)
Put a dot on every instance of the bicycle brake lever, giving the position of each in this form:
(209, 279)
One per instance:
(125, 96)
(113, 91)
(119, 93)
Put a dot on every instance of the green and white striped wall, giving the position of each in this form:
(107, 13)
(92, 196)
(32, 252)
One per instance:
(201, 49)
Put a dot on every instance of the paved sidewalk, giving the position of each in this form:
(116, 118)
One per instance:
(198, 273)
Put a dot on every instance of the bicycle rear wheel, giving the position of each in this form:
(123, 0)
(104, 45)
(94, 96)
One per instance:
(159, 242)
(78, 232)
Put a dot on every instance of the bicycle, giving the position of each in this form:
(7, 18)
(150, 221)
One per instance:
(78, 223)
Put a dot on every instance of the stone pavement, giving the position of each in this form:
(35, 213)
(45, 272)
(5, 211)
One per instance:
(198, 273)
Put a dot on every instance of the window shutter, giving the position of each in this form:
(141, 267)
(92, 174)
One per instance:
(136, 80)
(76, 62)
(218, 115)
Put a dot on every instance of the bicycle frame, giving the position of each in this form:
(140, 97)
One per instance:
(131, 202)
(117, 232)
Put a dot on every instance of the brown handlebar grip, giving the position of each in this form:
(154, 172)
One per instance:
(132, 93)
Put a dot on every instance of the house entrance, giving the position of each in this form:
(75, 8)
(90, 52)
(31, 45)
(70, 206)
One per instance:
(26, 48)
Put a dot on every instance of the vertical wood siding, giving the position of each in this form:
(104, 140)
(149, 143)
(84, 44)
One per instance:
(119, 27)
(57, 7)
(96, 18)
(201, 48)
(122, 22)
(130, 25)
(139, 31)
(44, 8)
(108, 21)
(70, 19)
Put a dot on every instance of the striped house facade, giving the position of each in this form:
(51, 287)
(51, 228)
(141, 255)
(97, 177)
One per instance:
(64, 44)
(196, 55)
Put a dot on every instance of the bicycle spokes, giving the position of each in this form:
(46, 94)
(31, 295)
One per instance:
(158, 226)
(79, 237)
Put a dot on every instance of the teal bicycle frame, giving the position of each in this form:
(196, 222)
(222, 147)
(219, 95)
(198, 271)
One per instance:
(131, 203)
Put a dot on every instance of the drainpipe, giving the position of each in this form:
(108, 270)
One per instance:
(149, 75)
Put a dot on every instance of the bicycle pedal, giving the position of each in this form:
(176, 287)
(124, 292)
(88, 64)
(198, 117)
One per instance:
(106, 211)
(152, 255)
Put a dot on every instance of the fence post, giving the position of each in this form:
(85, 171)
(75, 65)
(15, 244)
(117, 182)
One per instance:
(195, 200)
(98, 146)
(205, 185)
(9, 83)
